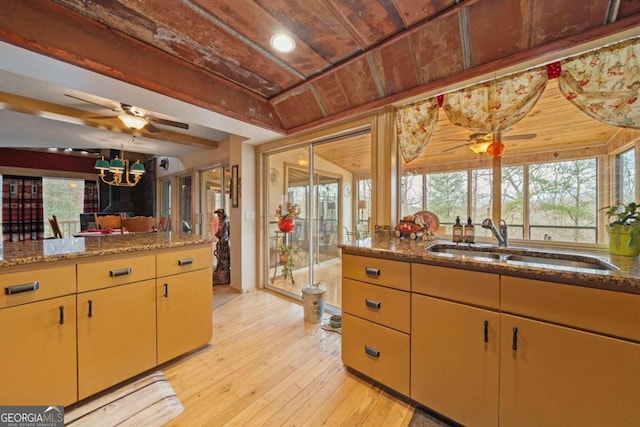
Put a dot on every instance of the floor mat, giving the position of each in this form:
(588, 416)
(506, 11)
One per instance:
(149, 401)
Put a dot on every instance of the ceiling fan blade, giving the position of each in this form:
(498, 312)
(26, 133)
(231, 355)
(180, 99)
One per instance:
(102, 117)
(456, 147)
(151, 128)
(167, 122)
(110, 107)
(521, 136)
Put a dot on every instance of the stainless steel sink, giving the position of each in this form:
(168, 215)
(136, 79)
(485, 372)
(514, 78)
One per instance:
(523, 257)
(465, 251)
(556, 261)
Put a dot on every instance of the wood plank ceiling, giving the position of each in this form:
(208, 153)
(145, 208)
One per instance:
(351, 56)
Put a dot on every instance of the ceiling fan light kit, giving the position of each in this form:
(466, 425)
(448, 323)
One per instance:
(133, 122)
(480, 147)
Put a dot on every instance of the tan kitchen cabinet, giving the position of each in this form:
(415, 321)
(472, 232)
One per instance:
(455, 360)
(573, 357)
(554, 375)
(184, 300)
(116, 335)
(375, 324)
(38, 353)
(184, 306)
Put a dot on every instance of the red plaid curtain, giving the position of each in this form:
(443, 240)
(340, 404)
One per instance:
(90, 197)
(22, 208)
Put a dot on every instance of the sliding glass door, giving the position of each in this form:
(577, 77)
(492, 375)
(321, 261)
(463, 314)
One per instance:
(318, 179)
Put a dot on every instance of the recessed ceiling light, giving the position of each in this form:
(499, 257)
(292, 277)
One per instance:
(282, 43)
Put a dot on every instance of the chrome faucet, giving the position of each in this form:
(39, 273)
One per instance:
(500, 234)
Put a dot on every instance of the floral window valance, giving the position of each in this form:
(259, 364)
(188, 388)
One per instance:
(415, 124)
(496, 105)
(604, 83)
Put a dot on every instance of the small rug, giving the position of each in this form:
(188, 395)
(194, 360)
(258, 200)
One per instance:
(149, 402)
(422, 418)
(222, 294)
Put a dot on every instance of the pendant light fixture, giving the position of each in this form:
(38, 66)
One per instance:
(118, 172)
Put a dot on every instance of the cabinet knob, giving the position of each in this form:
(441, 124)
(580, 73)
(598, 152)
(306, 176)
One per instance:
(372, 351)
(486, 331)
(372, 271)
(120, 272)
(372, 303)
(26, 287)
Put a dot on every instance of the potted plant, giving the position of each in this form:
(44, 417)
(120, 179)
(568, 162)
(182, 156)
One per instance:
(624, 229)
(288, 256)
(286, 215)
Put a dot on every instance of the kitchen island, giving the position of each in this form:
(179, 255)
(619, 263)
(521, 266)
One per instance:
(487, 342)
(80, 315)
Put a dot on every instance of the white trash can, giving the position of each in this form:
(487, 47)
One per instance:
(313, 303)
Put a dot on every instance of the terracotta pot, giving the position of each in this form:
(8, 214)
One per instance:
(286, 225)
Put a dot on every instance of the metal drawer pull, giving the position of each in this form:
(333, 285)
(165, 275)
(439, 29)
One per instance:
(486, 331)
(371, 351)
(372, 303)
(90, 308)
(514, 344)
(166, 290)
(120, 272)
(62, 314)
(185, 261)
(17, 289)
(372, 271)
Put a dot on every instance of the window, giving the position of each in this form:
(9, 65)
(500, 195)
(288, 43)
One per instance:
(513, 200)
(560, 201)
(446, 195)
(63, 198)
(626, 177)
(563, 201)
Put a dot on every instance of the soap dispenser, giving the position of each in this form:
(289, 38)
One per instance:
(457, 234)
(469, 232)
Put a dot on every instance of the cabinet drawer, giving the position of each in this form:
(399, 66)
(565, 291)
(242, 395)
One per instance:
(609, 312)
(378, 352)
(175, 262)
(393, 274)
(35, 285)
(471, 287)
(389, 307)
(114, 272)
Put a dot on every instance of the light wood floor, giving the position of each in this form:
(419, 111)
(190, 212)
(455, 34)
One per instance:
(267, 367)
(328, 273)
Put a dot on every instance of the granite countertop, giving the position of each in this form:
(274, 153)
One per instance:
(50, 250)
(626, 279)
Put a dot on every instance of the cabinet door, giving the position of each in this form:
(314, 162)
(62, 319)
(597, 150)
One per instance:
(38, 353)
(184, 303)
(565, 377)
(455, 360)
(116, 335)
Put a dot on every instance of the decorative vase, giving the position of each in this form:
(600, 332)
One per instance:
(286, 225)
(619, 237)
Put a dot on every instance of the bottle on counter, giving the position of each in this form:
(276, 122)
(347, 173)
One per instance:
(469, 235)
(457, 234)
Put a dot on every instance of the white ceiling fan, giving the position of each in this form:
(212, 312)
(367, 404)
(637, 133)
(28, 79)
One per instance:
(133, 117)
